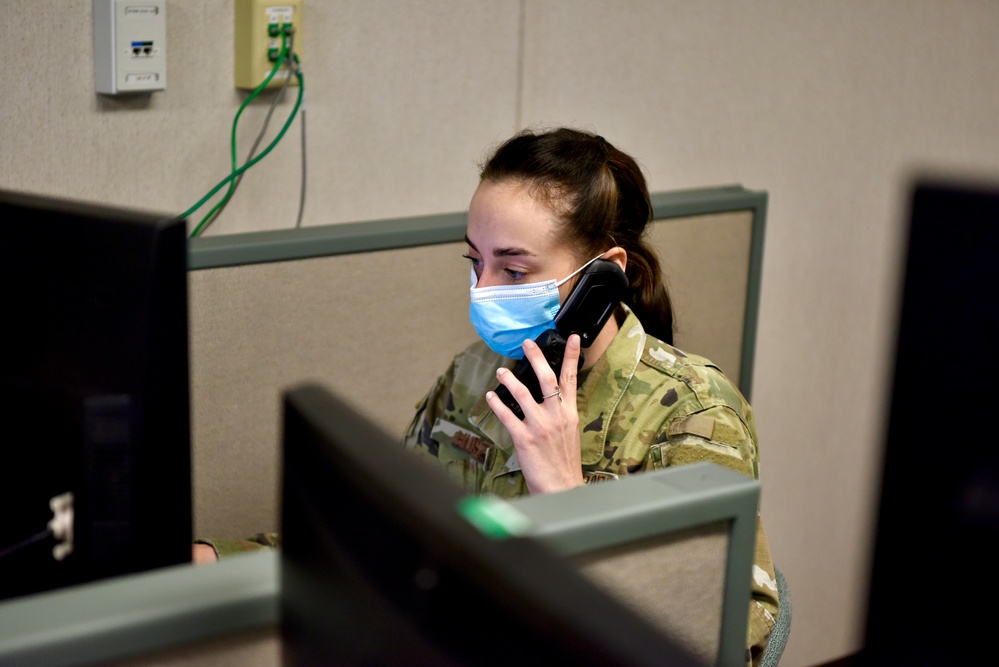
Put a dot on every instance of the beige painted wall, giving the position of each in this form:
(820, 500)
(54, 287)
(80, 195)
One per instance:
(830, 107)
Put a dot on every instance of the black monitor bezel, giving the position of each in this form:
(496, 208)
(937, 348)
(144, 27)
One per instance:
(122, 362)
(379, 567)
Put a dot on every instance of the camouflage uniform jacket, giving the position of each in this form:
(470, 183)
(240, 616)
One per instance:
(643, 405)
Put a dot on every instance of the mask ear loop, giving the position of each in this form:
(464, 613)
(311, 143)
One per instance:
(573, 274)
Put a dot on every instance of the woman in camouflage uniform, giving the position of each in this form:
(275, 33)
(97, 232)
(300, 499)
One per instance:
(547, 204)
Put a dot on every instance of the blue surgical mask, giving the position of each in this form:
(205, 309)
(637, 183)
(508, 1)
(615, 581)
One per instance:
(506, 315)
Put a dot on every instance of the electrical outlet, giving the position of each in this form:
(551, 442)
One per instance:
(129, 46)
(257, 40)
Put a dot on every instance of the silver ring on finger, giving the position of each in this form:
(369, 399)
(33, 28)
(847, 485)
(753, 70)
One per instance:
(557, 392)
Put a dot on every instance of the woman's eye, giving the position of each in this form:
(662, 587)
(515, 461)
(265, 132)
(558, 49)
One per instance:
(476, 262)
(515, 275)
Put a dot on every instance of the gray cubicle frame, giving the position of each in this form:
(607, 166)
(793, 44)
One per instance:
(208, 252)
(180, 605)
(141, 613)
(591, 518)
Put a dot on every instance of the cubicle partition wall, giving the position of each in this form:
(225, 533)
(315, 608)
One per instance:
(675, 545)
(375, 311)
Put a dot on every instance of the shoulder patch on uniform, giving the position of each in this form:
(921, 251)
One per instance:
(695, 424)
(725, 433)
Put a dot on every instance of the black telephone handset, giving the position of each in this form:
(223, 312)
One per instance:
(600, 289)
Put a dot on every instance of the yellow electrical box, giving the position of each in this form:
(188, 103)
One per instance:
(259, 27)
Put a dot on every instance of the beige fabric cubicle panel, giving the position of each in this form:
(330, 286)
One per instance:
(376, 327)
(379, 327)
(706, 262)
(690, 564)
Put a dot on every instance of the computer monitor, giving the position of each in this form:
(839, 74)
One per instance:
(383, 562)
(94, 397)
(933, 576)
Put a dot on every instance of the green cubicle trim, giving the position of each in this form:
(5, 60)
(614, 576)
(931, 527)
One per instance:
(208, 252)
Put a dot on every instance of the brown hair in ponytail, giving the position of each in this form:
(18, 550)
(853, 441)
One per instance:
(600, 195)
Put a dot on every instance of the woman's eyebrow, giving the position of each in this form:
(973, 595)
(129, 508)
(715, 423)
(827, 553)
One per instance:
(503, 252)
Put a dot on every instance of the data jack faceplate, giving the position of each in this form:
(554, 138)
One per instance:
(258, 29)
(129, 46)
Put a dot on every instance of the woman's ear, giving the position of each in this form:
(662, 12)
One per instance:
(618, 255)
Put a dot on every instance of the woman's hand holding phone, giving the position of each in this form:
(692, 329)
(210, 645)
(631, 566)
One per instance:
(547, 438)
